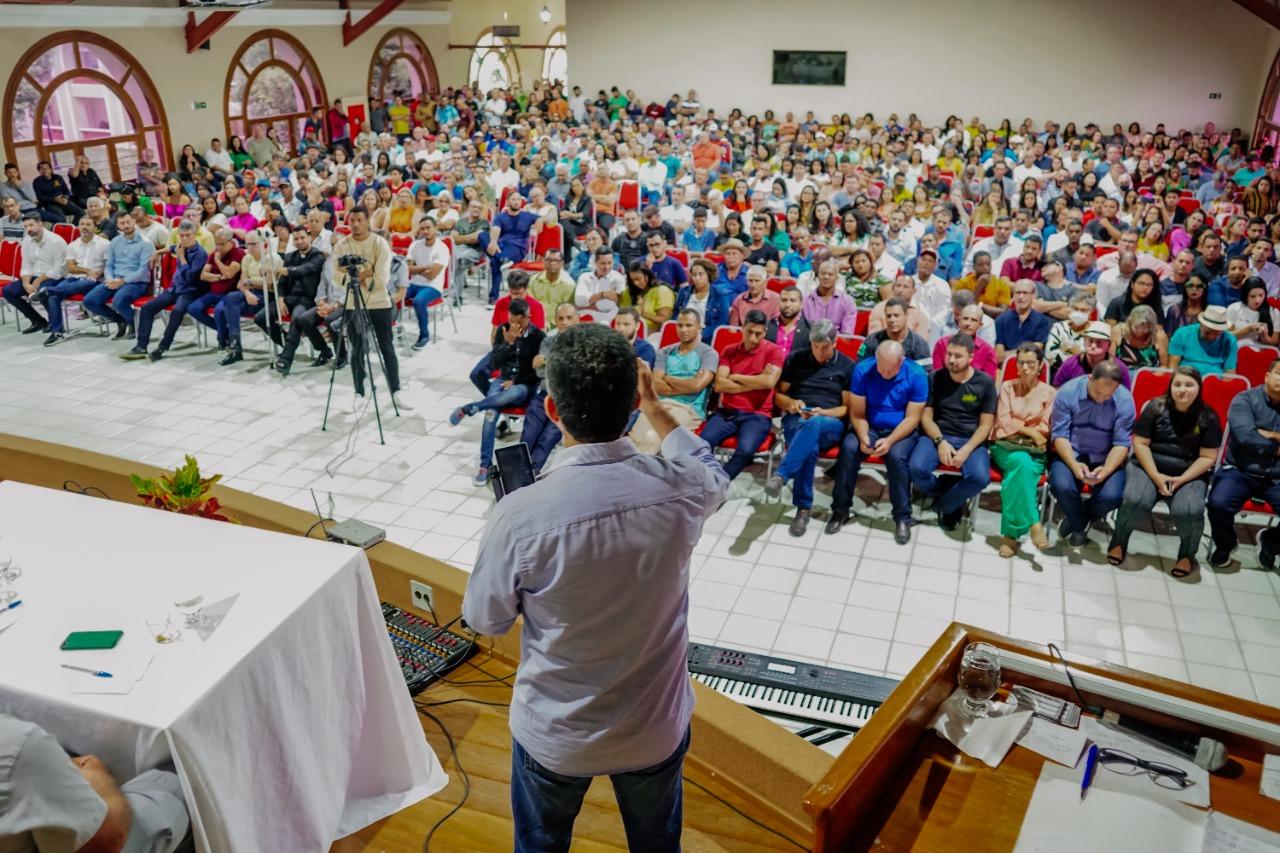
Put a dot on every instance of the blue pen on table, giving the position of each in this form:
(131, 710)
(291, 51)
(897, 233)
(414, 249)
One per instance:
(1090, 764)
(12, 605)
(99, 673)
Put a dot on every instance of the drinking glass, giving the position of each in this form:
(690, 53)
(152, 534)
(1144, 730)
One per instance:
(979, 677)
(8, 574)
(192, 610)
(162, 629)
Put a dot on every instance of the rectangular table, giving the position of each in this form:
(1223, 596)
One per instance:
(290, 726)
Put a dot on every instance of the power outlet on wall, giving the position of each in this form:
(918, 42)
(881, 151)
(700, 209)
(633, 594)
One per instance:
(423, 598)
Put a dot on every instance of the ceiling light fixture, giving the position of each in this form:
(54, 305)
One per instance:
(545, 15)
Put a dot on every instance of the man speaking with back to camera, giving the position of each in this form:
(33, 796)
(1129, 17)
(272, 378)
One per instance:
(595, 556)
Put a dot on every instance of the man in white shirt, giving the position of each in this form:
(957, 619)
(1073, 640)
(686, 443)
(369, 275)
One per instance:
(86, 257)
(151, 229)
(1001, 245)
(578, 105)
(504, 176)
(599, 288)
(1115, 281)
(1115, 183)
(495, 108)
(1259, 264)
(653, 178)
(428, 261)
(219, 159)
(933, 295)
(44, 258)
(678, 214)
(899, 243)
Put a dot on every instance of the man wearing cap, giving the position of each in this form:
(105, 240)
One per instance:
(1097, 349)
(1207, 345)
(732, 279)
(933, 294)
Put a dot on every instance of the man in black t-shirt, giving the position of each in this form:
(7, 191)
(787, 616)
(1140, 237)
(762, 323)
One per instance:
(633, 243)
(760, 252)
(957, 421)
(810, 394)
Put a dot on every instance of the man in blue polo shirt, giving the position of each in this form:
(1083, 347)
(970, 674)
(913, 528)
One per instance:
(1021, 324)
(508, 240)
(1226, 290)
(126, 276)
(1092, 431)
(886, 397)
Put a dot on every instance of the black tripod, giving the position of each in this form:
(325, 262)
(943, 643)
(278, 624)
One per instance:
(359, 328)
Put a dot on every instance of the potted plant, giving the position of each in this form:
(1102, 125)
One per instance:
(184, 492)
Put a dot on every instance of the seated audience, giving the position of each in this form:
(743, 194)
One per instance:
(991, 292)
(969, 322)
(903, 290)
(44, 259)
(1252, 319)
(895, 313)
(682, 376)
(757, 297)
(1140, 341)
(1251, 469)
(651, 299)
(955, 425)
(745, 381)
(259, 270)
(599, 290)
(428, 259)
(789, 330)
(187, 286)
(1175, 443)
(1092, 430)
(1022, 324)
(541, 434)
(552, 285)
(810, 395)
(1207, 345)
(886, 397)
(1097, 349)
(1066, 338)
(1019, 449)
(86, 258)
(630, 325)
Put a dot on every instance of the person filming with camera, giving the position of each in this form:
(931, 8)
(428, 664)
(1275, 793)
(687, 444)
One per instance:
(369, 255)
(602, 687)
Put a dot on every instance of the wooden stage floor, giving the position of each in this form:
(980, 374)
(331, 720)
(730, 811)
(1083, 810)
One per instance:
(484, 823)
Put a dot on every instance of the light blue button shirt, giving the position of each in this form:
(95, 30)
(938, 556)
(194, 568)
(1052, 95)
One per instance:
(127, 259)
(595, 556)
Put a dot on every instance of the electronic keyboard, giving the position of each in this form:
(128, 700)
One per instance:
(832, 702)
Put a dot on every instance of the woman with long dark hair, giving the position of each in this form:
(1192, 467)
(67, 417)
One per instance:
(652, 298)
(1252, 319)
(577, 215)
(1143, 289)
(1195, 298)
(1175, 443)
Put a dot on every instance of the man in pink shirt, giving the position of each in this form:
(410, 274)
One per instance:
(745, 380)
(984, 355)
(757, 298)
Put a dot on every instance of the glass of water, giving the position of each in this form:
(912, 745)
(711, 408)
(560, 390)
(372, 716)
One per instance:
(192, 610)
(162, 629)
(979, 677)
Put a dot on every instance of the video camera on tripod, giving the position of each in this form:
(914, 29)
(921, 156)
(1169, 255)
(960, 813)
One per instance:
(349, 263)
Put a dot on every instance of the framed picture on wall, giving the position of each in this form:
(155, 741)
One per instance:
(809, 67)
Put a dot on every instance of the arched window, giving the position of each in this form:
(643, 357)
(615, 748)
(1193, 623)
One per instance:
(1267, 129)
(272, 81)
(493, 63)
(402, 65)
(78, 93)
(555, 58)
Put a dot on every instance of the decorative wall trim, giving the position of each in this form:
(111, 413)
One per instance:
(93, 17)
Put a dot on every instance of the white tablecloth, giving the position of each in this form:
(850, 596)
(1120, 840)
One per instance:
(290, 726)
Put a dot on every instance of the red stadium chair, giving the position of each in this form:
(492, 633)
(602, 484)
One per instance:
(400, 243)
(1189, 204)
(714, 257)
(725, 337)
(1149, 383)
(628, 195)
(669, 334)
(10, 267)
(981, 231)
(680, 255)
(1103, 251)
(65, 230)
(1009, 370)
(861, 322)
(343, 230)
(776, 284)
(850, 345)
(550, 237)
(1219, 391)
(1252, 361)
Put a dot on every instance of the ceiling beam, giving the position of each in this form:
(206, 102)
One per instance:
(352, 31)
(1264, 9)
(198, 34)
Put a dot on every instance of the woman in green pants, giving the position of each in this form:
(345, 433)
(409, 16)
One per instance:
(1021, 442)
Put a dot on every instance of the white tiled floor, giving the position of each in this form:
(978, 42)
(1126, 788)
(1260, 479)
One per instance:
(855, 599)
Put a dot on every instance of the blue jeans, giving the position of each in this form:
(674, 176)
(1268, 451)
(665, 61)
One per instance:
(115, 305)
(199, 307)
(60, 290)
(751, 428)
(505, 253)
(147, 316)
(1231, 487)
(539, 433)
(648, 197)
(15, 294)
(1066, 489)
(897, 462)
(479, 375)
(495, 400)
(545, 804)
(422, 297)
(227, 314)
(975, 474)
(806, 438)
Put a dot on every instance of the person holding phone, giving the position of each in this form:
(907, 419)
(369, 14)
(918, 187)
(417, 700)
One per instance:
(567, 554)
(1092, 431)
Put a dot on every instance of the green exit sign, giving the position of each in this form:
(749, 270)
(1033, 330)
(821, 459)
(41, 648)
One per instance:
(199, 105)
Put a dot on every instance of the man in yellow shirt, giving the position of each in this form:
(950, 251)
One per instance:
(399, 114)
(990, 291)
(553, 285)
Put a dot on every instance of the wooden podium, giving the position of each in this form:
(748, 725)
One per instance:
(899, 786)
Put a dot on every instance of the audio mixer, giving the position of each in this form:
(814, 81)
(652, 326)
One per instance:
(424, 650)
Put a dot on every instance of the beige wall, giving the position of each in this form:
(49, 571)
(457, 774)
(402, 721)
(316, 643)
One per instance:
(182, 78)
(1099, 60)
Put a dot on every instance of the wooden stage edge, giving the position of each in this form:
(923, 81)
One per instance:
(736, 756)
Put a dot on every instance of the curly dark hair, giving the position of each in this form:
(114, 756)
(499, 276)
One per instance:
(592, 377)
